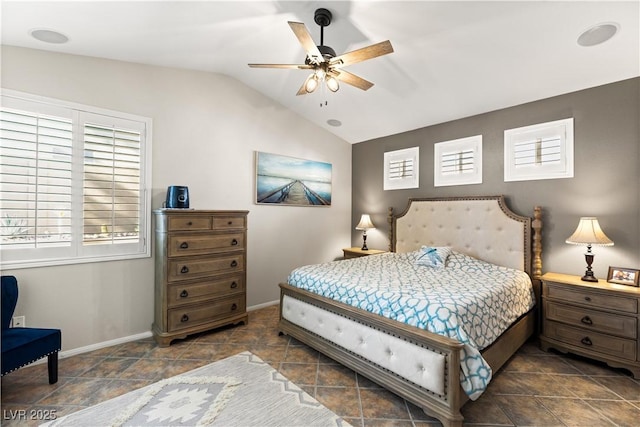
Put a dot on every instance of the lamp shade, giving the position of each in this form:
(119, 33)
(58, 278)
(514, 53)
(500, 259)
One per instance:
(365, 223)
(589, 233)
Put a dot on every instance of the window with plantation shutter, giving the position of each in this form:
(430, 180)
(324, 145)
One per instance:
(35, 187)
(542, 151)
(72, 183)
(111, 184)
(458, 162)
(401, 169)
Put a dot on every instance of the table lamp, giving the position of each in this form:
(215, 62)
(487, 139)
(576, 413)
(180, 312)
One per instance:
(589, 233)
(364, 225)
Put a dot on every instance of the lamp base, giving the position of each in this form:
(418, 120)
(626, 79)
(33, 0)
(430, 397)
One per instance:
(588, 275)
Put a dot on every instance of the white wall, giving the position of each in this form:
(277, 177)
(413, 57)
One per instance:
(206, 128)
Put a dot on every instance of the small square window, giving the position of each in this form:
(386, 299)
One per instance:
(458, 162)
(401, 169)
(542, 151)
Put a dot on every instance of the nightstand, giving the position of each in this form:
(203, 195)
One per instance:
(357, 252)
(596, 320)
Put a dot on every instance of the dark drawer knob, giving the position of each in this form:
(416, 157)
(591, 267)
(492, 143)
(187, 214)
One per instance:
(184, 269)
(234, 285)
(184, 293)
(184, 318)
(190, 223)
(184, 245)
(234, 242)
(587, 320)
(587, 299)
(230, 223)
(586, 341)
(234, 307)
(234, 263)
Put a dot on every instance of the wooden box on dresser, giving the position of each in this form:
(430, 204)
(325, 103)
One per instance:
(200, 271)
(598, 320)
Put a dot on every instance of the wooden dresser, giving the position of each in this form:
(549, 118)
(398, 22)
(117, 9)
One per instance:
(596, 320)
(200, 271)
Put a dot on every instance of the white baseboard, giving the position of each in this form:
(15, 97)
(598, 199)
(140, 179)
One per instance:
(263, 305)
(104, 344)
(100, 345)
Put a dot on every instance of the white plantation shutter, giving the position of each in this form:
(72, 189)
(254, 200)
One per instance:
(72, 184)
(537, 152)
(111, 183)
(458, 162)
(401, 169)
(541, 151)
(35, 179)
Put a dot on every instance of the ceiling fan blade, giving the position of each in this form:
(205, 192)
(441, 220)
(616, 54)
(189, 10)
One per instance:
(363, 54)
(351, 79)
(286, 66)
(301, 32)
(302, 90)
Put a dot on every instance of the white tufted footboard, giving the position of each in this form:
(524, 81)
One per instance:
(418, 365)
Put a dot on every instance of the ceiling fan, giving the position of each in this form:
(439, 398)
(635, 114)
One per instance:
(326, 66)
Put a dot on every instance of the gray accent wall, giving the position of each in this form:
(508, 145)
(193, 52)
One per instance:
(606, 181)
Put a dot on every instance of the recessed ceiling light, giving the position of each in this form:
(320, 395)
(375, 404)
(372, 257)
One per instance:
(48, 36)
(598, 34)
(334, 122)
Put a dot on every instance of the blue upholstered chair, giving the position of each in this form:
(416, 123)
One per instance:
(22, 346)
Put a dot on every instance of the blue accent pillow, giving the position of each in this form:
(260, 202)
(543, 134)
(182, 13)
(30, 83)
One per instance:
(434, 257)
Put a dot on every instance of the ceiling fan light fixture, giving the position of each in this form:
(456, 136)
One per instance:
(332, 84)
(322, 59)
(311, 84)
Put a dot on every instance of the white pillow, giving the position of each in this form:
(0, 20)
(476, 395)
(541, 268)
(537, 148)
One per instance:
(434, 257)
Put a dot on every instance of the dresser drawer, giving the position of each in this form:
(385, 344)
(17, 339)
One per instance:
(607, 323)
(591, 341)
(229, 222)
(193, 292)
(195, 244)
(189, 222)
(181, 318)
(586, 297)
(188, 268)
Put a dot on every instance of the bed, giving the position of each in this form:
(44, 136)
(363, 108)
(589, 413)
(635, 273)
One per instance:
(429, 369)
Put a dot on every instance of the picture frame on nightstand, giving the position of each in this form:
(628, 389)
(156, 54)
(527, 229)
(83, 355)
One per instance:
(623, 276)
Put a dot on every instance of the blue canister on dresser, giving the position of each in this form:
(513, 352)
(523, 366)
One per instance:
(177, 197)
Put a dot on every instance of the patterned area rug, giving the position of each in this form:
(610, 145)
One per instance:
(241, 390)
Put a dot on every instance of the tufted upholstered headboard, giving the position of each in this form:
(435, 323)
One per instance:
(483, 227)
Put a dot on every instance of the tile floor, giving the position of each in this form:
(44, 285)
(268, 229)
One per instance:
(534, 388)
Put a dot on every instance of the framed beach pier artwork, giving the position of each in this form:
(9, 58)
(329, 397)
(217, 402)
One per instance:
(283, 180)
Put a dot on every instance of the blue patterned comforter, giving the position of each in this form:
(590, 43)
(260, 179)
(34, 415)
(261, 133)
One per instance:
(469, 300)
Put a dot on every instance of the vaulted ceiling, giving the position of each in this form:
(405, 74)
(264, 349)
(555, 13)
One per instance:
(452, 59)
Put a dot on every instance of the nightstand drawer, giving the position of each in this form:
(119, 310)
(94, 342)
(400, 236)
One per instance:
(607, 323)
(586, 297)
(591, 341)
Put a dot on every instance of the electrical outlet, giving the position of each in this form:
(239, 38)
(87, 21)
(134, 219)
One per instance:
(19, 322)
